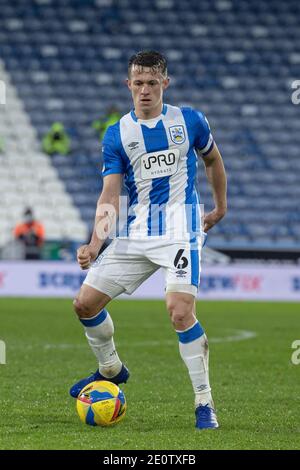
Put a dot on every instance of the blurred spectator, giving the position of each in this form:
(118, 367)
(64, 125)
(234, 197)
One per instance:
(56, 140)
(112, 116)
(31, 233)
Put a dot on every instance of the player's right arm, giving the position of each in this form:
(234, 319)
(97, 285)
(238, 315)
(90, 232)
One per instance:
(108, 203)
(106, 212)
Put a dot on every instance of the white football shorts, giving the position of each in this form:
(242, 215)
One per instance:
(126, 263)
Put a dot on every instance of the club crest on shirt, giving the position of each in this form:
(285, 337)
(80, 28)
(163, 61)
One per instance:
(177, 134)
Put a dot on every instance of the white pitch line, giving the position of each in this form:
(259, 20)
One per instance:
(237, 335)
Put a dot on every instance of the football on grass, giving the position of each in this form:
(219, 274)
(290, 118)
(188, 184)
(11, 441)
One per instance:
(101, 403)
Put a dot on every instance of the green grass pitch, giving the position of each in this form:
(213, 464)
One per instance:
(255, 384)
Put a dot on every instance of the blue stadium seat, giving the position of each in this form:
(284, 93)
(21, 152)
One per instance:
(67, 61)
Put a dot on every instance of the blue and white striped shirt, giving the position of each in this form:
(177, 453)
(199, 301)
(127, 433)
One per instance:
(159, 161)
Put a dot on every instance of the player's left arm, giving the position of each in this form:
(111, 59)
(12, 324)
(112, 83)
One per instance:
(216, 176)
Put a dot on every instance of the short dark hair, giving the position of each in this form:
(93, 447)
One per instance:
(153, 59)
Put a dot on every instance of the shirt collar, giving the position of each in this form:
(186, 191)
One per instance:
(133, 115)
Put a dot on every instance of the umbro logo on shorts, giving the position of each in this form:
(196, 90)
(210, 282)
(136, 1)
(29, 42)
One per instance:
(181, 273)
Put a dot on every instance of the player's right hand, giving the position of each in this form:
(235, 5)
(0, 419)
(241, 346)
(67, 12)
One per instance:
(85, 256)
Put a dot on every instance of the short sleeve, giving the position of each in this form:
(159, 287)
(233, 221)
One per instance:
(112, 159)
(203, 138)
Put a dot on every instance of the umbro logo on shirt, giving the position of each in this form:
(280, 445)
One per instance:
(133, 145)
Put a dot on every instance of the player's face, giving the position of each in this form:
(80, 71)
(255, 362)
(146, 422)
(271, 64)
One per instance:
(147, 89)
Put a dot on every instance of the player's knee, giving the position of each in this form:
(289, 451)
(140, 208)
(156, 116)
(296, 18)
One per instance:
(181, 312)
(82, 310)
(178, 306)
(180, 321)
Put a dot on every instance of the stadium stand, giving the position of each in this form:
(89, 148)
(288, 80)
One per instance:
(234, 60)
(27, 178)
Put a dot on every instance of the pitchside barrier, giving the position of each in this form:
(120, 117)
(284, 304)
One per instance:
(231, 282)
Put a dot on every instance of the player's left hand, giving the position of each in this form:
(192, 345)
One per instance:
(212, 218)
